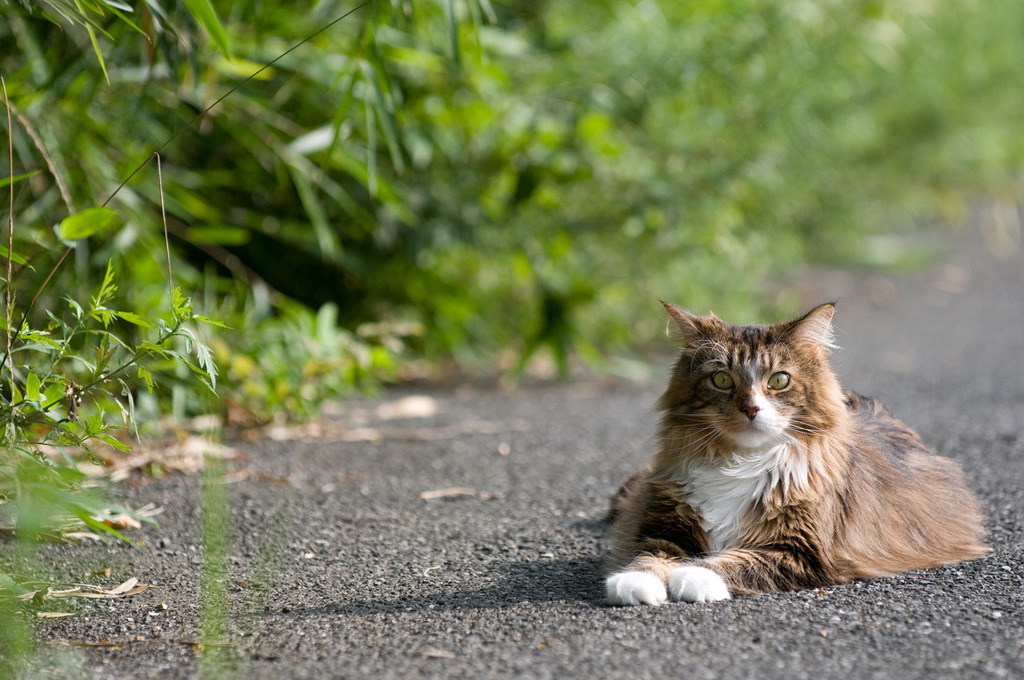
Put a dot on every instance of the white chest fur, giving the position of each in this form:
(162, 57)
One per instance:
(725, 489)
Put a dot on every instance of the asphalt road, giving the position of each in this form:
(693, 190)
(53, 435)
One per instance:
(340, 568)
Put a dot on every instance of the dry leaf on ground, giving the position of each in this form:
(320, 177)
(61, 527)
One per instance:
(448, 492)
(126, 589)
(184, 455)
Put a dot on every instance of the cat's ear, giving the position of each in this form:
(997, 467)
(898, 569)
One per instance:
(814, 329)
(688, 324)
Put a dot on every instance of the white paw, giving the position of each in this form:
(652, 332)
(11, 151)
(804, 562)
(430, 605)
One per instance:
(635, 587)
(696, 584)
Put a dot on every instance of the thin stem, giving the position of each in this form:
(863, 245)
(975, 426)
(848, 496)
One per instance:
(163, 215)
(10, 222)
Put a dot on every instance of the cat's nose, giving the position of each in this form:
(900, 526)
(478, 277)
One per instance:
(751, 410)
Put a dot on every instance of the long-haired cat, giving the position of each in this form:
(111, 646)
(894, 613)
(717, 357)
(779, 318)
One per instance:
(770, 477)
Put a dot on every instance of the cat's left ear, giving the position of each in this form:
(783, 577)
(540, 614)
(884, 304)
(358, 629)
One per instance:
(814, 329)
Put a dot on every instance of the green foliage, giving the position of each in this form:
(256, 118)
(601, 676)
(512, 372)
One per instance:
(504, 177)
(86, 223)
(66, 388)
(283, 367)
(542, 179)
(58, 385)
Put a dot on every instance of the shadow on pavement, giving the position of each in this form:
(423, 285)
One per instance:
(552, 580)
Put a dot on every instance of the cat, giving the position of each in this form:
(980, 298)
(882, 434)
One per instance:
(770, 477)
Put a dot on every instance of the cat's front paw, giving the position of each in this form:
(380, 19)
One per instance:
(635, 587)
(696, 584)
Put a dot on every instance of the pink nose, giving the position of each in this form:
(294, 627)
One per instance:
(751, 410)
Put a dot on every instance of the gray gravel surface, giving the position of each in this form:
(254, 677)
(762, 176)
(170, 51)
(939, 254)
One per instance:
(340, 569)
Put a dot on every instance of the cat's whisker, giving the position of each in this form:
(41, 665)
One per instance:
(804, 429)
(699, 415)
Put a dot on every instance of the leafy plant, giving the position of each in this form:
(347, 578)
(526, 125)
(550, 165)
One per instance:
(61, 382)
(285, 366)
(64, 372)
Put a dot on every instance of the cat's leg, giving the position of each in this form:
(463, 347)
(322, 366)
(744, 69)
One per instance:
(692, 583)
(686, 583)
(751, 571)
(643, 581)
(635, 587)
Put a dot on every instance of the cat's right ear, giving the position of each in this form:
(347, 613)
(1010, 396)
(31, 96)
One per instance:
(686, 322)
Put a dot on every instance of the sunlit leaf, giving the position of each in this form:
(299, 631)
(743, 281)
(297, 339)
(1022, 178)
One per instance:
(223, 235)
(204, 13)
(242, 68)
(208, 320)
(181, 304)
(4, 253)
(118, 5)
(147, 377)
(94, 424)
(116, 443)
(121, 11)
(5, 181)
(136, 319)
(10, 585)
(32, 387)
(385, 116)
(107, 288)
(86, 223)
(453, 30)
(99, 52)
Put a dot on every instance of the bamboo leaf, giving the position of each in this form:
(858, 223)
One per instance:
(14, 257)
(385, 113)
(119, 10)
(117, 6)
(453, 31)
(17, 178)
(488, 9)
(86, 223)
(204, 13)
(9, 584)
(99, 53)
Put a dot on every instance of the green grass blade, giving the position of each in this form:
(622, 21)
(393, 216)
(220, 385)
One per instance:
(204, 13)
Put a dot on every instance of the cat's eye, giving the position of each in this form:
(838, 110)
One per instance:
(779, 381)
(722, 380)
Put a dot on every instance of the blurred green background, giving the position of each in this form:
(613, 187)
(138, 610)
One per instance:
(429, 186)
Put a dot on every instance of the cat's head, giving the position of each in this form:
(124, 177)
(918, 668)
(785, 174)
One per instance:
(737, 388)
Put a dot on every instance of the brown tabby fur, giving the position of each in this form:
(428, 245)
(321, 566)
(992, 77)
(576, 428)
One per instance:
(875, 501)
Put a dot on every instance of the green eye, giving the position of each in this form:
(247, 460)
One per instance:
(722, 380)
(779, 381)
